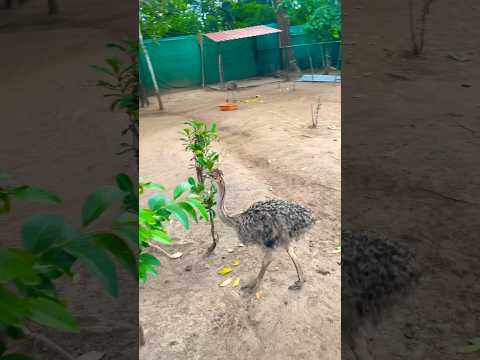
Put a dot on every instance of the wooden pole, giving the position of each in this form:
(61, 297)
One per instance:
(202, 57)
(220, 67)
(310, 60)
(339, 56)
(150, 69)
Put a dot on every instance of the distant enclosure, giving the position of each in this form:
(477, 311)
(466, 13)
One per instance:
(177, 61)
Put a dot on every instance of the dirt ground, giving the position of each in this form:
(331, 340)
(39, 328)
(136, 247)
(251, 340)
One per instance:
(267, 150)
(410, 146)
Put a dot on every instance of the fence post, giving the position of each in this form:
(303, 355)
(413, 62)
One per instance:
(202, 57)
(220, 68)
(310, 60)
(150, 69)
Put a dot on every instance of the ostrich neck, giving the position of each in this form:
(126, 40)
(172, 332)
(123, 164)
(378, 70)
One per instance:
(227, 219)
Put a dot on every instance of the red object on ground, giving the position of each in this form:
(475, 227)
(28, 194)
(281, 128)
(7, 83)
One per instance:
(228, 107)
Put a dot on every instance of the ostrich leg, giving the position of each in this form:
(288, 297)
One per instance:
(267, 259)
(301, 279)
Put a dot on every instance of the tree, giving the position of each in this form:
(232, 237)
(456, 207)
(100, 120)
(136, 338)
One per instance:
(160, 18)
(322, 18)
(283, 22)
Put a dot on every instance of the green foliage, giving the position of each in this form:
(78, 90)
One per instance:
(51, 247)
(197, 138)
(122, 87)
(183, 205)
(159, 18)
(168, 18)
(322, 18)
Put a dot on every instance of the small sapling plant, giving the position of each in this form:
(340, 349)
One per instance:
(417, 26)
(123, 88)
(198, 137)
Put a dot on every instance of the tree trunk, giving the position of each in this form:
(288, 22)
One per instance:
(285, 39)
(53, 7)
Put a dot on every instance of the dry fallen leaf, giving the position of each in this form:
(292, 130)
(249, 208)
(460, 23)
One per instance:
(225, 282)
(235, 262)
(236, 282)
(259, 295)
(224, 270)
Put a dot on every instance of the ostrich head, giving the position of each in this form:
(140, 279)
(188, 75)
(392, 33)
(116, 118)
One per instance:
(217, 175)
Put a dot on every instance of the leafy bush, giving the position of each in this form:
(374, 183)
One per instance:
(50, 248)
(184, 204)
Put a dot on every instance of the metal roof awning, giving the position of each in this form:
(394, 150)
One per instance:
(242, 33)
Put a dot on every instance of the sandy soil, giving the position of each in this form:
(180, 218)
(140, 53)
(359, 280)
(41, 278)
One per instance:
(267, 151)
(410, 153)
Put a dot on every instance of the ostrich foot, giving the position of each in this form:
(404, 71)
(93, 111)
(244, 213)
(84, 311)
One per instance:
(249, 288)
(297, 285)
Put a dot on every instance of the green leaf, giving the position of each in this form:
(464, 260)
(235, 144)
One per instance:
(41, 231)
(147, 265)
(158, 201)
(53, 314)
(199, 206)
(179, 214)
(36, 194)
(124, 183)
(14, 332)
(180, 189)
(5, 203)
(98, 202)
(102, 70)
(189, 209)
(152, 185)
(97, 261)
(161, 236)
(473, 347)
(58, 260)
(127, 218)
(127, 232)
(146, 217)
(114, 63)
(12, 308)
(119, 249)
(143, 234)
(14, 266)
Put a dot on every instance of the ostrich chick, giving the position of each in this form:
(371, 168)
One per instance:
(270, 224)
